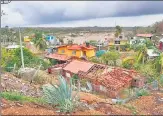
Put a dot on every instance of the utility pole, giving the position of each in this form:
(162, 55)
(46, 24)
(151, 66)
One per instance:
(22, 57)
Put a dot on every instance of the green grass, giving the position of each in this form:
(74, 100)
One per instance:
(15, 96)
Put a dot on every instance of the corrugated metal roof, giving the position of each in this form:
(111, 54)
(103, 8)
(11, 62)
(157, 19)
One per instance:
(144, 35)
(75, 65)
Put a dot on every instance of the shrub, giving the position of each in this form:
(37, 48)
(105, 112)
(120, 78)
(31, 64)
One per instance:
(60, 95)
(142, 92)
(127, 65)
(112, 48)
(53, 61)
(30, 60)
(110, 56)
(95, 60)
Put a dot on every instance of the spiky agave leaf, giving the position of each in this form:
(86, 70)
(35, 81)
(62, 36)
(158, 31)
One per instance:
(61, 95)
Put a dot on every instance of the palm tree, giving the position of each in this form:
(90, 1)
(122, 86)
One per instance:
(142, 55)
(159, 64)
(39, 41)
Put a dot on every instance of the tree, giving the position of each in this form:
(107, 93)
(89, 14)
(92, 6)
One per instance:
(70, 41)
(148, 43)
(111, 56)
(142, 55)
(159, 64)
(118, 31)
(158, 27)
(39, 41)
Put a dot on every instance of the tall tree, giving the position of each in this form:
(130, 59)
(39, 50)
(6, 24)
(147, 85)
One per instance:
(39, 41)
(118, 31)
(142, 55)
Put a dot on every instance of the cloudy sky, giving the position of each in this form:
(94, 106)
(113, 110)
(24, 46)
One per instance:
(82, 13)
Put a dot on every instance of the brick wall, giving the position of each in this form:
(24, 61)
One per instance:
(110, 93)
(138, 82)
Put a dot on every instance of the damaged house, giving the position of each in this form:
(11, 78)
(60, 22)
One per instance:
(102, 78)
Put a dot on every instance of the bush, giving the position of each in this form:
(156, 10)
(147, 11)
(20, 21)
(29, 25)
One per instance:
(111, 56)
(95, 60)
(111, 48)
(30, 60)
(142, 92)
(53, 61)
(127, 65)
(60, 95)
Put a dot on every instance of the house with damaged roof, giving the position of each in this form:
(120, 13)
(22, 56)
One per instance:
(102, 78)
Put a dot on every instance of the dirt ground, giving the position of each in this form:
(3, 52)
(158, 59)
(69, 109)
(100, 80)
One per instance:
(145, 105)
(148, 105)
(89, 36)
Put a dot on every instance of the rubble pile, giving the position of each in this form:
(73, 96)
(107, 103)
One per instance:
(13, 84)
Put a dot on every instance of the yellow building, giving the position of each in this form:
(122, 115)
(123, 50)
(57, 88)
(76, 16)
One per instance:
(77, 50)
(27, 39)
(118, 43)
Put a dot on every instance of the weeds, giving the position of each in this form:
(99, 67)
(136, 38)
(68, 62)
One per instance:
(15, 96)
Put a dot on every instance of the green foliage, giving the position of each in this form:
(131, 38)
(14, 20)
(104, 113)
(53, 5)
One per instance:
(161, 81)
(112, 48)
(6, 56)
(148, 70)
(75, 78)
(127, 46)
(60, 95)
(39, 41)
(95, 60)
(110, 56)
(53, 61)
(30, 60)
(15, 96)
(118, 31)
(127, 65)
(142, 92)
(148, 43)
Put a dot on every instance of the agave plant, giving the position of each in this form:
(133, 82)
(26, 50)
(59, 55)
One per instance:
(60, 95)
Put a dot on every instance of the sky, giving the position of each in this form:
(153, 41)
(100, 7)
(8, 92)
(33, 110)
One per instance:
(81, 13)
